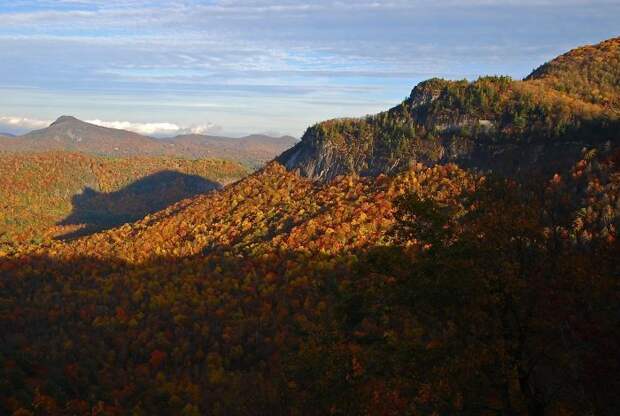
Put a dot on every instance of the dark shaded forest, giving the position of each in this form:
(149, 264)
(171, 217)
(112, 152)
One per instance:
(433, 292)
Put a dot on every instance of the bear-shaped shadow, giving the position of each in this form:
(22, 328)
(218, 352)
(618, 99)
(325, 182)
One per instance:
(96, 211)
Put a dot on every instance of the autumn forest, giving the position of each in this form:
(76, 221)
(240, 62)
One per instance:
(454, 255)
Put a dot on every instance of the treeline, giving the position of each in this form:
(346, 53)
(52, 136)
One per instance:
(443, 115)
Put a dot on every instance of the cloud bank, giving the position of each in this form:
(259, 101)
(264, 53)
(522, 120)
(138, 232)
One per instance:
(9, 124)
(158, 129)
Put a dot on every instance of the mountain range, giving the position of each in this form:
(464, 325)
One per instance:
(70, 134)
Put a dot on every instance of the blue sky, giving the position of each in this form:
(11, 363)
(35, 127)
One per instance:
(264, 66)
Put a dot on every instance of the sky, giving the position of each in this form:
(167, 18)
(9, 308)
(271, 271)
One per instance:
(234, 67)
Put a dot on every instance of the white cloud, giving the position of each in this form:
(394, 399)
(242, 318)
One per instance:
(157, 129)
(19, 123)
(207, 128)
(297, 62)
(141, 128)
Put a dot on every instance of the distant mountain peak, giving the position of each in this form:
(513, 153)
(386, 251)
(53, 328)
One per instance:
(65, 119)
(71, 134)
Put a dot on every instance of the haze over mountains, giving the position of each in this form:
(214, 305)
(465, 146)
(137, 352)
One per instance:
(70, 134)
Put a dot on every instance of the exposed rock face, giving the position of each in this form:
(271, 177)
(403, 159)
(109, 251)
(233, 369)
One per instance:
(426, 92)
(314, 159)
(509, 127)
(320, 160)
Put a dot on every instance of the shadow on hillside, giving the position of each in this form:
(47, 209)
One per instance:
(97, 211)
(79, 309)
(86, 319)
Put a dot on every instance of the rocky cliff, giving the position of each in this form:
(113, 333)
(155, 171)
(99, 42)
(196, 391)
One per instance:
(494, 123)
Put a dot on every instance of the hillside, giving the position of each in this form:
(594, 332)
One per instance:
(196, 302)
(589, 73)
(495, 123)
(75, 191)
(254, 299)
(70, 134)
(435, 290)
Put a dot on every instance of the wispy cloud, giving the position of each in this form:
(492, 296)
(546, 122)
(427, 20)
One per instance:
(253, 63)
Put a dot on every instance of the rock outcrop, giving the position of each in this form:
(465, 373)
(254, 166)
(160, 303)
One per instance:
(495, 123)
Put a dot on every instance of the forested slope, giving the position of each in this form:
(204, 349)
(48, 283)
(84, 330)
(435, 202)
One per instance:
(281, 295)
(494, 123)
(39, 191)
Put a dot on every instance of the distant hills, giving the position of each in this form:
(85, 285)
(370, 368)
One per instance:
(256, 149)
(70, 134)
(495, 123)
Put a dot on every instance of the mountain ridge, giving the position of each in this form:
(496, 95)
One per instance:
(601, 65)
(493, 123)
